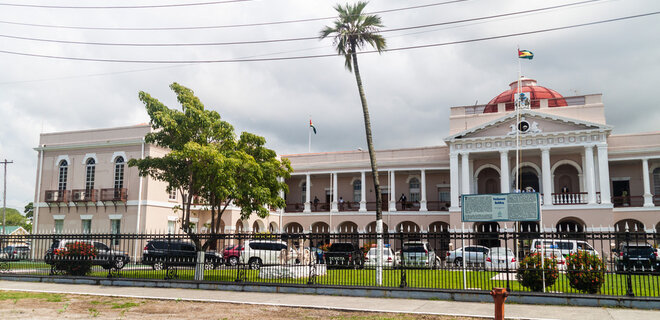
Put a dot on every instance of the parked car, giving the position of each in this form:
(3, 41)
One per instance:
(501, 259)
(564, 245)
(344, 254)
(389, 259)
(636, 257)
(418, 254)
(21, 252)
(106, 257)
(556, 255)
(231, 254)
(163, 253)
(472, 255)
(257, 253)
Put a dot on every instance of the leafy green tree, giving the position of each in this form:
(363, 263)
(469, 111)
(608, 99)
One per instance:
(353, 30)
(207, 161)
(15, 218)
(29, 213)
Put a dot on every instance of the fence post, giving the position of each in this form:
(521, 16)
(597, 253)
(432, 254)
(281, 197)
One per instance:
(629, 289)
(404, 281)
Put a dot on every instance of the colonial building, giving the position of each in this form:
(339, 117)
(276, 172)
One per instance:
(588, 177)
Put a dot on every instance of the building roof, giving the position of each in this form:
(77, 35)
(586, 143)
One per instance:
(535, 92)
(11, 229)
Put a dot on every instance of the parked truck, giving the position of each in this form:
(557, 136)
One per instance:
(344, 255)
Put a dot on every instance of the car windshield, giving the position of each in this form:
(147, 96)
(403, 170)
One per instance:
(500, 251)
(341, 247)
(374, 251)
(413, 247)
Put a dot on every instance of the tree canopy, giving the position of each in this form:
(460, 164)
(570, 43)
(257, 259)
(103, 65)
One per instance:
(207, 161)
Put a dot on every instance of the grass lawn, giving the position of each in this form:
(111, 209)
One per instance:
(643, 285)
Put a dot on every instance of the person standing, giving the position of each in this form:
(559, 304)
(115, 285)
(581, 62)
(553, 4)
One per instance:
(403, 200)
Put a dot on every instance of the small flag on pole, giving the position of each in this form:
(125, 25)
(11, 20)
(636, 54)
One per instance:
(312, 126)
(525, 54)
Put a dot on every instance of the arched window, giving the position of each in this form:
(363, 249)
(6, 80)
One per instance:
(357, 190)
(414, 190)
(303, 191)
(90, 169)
(119, 173)
(64, 171)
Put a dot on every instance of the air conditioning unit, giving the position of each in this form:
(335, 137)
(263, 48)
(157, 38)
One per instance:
(79, 196)
(53, 196)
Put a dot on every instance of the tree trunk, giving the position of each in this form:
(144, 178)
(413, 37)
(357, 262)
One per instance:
(374, 170)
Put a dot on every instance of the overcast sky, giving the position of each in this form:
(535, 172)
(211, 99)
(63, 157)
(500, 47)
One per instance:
(409, 92)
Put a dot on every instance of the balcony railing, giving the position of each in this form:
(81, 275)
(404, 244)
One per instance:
(83, 195)
(438, 205)
(55, 196)
(569, 198)
(114, 194)
(628, 201)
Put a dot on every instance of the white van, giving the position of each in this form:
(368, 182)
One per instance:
(265, 252)
(565, 246)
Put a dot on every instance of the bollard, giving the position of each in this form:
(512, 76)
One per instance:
(499, 296)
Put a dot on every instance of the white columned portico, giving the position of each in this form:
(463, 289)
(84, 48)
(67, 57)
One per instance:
(604, 174)
(333, 206)
(504, 171)
(308, 187)
(591, 181)
(473, 179)
(465, 173)
(392, 204)
(648, 197)
(547, 177)
(363, 193)
(453, 180)
(422, 202)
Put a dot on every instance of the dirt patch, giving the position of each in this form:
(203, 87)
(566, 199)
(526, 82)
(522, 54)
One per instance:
(26, 305)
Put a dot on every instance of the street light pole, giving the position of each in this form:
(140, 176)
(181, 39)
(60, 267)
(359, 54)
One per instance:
(4, 198)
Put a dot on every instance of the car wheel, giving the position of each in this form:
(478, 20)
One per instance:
(458, 262)
(159, 265)
(233, 261)
(119, 263)
(209, 265)
(255, 263)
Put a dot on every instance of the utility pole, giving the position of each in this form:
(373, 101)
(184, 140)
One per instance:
(4, 198)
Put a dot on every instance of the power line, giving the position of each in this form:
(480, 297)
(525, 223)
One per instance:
(223, 26)
(43, 6)
(287, 39)
(328, 55)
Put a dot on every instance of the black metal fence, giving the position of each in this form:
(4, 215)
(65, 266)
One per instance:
(435, 260)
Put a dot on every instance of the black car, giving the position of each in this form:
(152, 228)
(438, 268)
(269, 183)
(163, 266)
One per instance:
(344, 254)
(163, 253)
(636, 257)
(106, 257)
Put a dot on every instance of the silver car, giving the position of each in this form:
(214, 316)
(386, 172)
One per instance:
(473, 255)
(418, 254)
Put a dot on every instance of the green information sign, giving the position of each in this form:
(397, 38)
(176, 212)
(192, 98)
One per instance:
(501, 207)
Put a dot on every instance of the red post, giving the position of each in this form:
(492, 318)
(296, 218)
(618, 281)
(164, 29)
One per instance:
(499, 296)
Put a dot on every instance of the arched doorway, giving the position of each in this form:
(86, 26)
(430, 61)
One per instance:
(371, 228)
(407, 227)
(487, 234)
(258, 226)
(240, 227)
(567, 179)
(629, 225)
(571, 228)
(527, 232)
(529, 178)
(272, 228)
(347, 227)
(320, 234)
(439, 238)
(488, 181)
(293, 227)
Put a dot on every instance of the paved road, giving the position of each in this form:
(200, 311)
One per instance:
(513, 311)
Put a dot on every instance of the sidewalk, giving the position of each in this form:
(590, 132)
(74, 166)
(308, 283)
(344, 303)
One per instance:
(513, 311)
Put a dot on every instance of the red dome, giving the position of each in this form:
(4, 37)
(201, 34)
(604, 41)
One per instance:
(536, 93)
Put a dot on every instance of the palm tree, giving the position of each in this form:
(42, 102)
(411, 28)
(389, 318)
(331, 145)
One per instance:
(354, 30)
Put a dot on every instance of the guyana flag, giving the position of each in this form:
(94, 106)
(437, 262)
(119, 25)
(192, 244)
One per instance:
(525, 54)
(312, 126)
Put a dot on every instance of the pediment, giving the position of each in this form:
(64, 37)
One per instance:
(538, 123)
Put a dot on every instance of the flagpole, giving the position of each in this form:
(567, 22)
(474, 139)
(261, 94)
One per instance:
(517, 105)
(309, 139)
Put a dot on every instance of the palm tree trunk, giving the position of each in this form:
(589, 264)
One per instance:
(367, 128)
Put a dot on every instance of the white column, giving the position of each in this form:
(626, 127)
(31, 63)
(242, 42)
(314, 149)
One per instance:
(591, 181)
(453, 180)
(583, 178)
(308, 187)
(465, 173)
(392, 204)
(505, 182)
(363, 193)
(547, 177)
(604, 173)
(333, 206)
(473, 179)
(422, 202)
(648, 197)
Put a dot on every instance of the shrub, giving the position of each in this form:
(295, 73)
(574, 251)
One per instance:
(325, 247)
(75, 258)
(530, 273)
(585, 272)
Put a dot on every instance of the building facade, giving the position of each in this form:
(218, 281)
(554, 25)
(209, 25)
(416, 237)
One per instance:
(588, 177)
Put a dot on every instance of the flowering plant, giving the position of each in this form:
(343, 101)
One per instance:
(586, 272)
(530, 272)
(75, 258)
